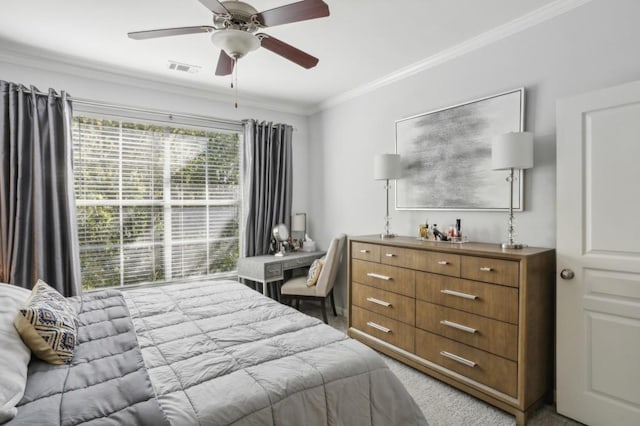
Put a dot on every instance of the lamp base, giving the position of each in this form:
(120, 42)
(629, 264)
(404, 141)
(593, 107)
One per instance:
(513, 245)
(385, 236)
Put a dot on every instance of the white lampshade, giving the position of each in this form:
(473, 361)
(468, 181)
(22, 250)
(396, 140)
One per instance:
(299, 222)
(236, 43)
(386, 166)
(512, 150)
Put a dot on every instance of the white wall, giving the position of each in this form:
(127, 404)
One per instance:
(123, 90)
(590, 47)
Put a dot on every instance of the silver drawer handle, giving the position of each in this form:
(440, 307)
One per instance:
(390, 254)
(364, 251)
(378, 301)
(442, 262)
(379, 276)
(458, 326)
(458, 294)
(486, 269)
(378, 327)
(458, 359)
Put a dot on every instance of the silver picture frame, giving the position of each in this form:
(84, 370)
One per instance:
(446, 156)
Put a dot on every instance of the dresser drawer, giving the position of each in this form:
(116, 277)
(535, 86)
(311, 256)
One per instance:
(495, 271)
(396, 256)
(497, 337)
(391, 278)
(391, 331)
(489, 300)
(439, 263)
(493, 371)
(273, 270)
(297, 262)
(392, 305)
(363, 251)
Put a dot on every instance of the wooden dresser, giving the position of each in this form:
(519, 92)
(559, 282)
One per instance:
(473, 315)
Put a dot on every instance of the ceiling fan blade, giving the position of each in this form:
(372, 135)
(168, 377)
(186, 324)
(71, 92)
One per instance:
(294, 12)
(215, 6)
(288, 52)
(166, 32)
(225, 64)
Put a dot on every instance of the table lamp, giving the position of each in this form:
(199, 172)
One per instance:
(385, 167)
(299, 225)
(512, 151)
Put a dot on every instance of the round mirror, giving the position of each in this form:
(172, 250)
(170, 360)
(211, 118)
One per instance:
(280, 232)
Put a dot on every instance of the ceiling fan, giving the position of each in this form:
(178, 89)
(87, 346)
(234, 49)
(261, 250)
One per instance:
(235, 26)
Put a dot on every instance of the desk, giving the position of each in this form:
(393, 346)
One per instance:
(269, 268)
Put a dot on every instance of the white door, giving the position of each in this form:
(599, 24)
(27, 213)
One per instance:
(598, 310)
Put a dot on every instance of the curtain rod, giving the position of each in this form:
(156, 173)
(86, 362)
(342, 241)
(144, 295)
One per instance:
(24, 89)
(89, 102)
(98, 104)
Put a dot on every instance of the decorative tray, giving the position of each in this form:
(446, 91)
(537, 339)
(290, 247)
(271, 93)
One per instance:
(452, 240)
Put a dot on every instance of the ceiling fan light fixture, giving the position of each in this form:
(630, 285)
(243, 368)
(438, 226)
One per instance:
(235, 43)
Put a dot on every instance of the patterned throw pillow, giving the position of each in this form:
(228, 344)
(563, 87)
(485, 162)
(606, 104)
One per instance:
(48, 324)
(314, 272)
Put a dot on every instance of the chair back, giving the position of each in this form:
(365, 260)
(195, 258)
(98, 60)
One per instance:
(331, 265)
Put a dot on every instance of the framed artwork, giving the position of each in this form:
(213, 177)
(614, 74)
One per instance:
(446, 156)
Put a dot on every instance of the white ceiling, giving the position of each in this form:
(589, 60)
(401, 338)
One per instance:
(362, 41)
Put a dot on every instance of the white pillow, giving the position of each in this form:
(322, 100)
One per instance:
(14, 354)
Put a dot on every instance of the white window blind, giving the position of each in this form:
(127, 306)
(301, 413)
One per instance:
(155, 202)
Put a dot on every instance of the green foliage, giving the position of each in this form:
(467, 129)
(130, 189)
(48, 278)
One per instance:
(142, 224)
(226, 250)
(100, 264)
(122, 200)
(100, 268)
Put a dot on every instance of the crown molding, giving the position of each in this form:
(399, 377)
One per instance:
(17, 54)
(531, 19)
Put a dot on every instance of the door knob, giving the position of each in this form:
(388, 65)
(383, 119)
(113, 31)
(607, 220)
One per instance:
(567, 274)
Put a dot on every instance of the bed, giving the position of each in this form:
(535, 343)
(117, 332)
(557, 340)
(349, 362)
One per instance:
(211, 353)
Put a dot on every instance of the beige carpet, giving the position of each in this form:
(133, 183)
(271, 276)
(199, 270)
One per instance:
(443, 405)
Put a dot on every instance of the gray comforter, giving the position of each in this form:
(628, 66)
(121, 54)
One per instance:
(219, 353)
(106, 382)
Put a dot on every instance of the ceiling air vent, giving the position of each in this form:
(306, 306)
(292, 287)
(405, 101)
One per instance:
(178, 66)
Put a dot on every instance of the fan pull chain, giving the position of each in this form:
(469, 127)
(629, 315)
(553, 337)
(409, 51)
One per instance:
(235, 86)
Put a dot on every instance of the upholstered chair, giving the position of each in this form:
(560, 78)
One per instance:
(296, 289)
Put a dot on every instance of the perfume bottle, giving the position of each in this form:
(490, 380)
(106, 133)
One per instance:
(437, 235)
(424, 230)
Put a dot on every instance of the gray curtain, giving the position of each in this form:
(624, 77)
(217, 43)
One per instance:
(38, 229)
(267, 180)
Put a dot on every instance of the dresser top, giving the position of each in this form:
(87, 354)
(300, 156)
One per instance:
(471, 248)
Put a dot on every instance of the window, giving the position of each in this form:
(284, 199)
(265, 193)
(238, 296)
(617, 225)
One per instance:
(155, 202)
